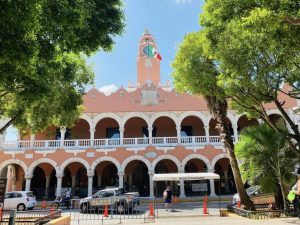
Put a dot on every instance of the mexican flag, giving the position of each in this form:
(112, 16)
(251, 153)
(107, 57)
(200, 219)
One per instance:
(151, 52)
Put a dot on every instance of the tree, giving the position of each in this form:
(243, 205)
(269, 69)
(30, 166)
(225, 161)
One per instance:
(42, 58)
(267, 160)
(257, 48)
(196, 73)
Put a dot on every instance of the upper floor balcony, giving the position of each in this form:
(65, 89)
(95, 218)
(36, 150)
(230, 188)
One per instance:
(131, 132)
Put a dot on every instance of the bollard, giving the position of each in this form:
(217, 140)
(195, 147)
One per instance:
(12, 217)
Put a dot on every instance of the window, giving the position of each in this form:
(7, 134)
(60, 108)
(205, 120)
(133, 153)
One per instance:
(112, 133)
(30, 194)
(18, 195)
(186, 131)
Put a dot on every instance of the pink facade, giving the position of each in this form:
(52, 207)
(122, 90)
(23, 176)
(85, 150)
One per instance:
(124, 138)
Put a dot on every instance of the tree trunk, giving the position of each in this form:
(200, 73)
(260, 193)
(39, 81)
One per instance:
(278, 197)
(218, 108)
(282, 193)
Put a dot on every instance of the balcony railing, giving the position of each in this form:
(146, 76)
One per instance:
(111, 143)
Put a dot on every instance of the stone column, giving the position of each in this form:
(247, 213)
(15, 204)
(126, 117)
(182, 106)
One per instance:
(121, 129)
(32, 137)
(47, 186)
(62, 136)
(182, 191)
(151, 184)
(59, 183)
(92, 136)
(178, 129)
(235, 133)
(90, 183)
(212, 188)
(206, 128)
(150, 129)
(28, 181)
(121, 178)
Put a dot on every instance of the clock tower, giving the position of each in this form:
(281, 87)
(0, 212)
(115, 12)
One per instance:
(148, 66)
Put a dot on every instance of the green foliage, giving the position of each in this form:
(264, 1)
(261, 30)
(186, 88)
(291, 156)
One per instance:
(193, 70)
(256, 44)
(42, 56)
(265, 158)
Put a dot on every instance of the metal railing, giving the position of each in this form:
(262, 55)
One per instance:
(111, 143)
(113, 208)
(35, 217)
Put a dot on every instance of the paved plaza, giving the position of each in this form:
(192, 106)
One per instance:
(183, 213)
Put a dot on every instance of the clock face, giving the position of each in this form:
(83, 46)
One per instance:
(148, 51)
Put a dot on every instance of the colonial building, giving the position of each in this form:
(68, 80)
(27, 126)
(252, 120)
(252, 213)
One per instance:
(124, 138)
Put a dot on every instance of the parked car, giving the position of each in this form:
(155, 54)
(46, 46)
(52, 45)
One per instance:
(255, 195)
(115, 198)
(251, 191)
(19, 200)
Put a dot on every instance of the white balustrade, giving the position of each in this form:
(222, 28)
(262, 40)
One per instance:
(111, 143)
(214, 139)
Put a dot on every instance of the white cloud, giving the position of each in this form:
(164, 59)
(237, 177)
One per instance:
(178, 2)
(108, 89)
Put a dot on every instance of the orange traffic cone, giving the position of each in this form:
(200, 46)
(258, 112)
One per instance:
(239, 204)
(270, 203)
(1, 213)
(151, 210)
(205, 211)
(176, 199)
(43, 205)
(105, 214)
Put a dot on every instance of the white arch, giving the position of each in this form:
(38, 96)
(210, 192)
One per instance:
(135, 114)
(135, 157)
(196, 156)
(217, 158)
(107, 115)
(87, 119)
(39, 161)
(199, 115)
(74, 159)
(231, 118)
(244, 114)
(274, 111)
(166, 114)
(103, 159)
(13, 161)
(170, 157)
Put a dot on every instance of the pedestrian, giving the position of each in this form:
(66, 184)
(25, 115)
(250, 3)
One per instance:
(167, 195)
(68, 197)
(296, 190)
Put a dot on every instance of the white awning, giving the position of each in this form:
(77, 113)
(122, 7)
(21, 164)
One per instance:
(185, 176)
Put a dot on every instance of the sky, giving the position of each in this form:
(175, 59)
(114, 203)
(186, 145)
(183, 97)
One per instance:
(167, 20)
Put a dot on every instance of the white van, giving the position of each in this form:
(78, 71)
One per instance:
(19, 200)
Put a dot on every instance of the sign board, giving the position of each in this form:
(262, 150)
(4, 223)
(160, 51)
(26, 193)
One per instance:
(151, 155)
(199, 187)
(3, 182)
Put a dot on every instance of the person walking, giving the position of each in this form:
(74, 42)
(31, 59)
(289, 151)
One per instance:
(167, 195)
(296, 190)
